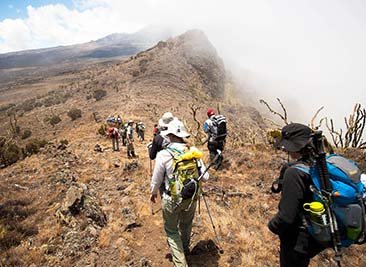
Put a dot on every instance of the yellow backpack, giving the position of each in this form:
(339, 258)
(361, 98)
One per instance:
(186, 169)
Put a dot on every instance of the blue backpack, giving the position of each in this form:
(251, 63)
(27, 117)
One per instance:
(347, 201)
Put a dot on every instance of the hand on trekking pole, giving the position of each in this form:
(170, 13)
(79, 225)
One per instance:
(153, 197)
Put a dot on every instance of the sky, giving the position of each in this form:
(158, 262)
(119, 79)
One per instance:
(309, 53)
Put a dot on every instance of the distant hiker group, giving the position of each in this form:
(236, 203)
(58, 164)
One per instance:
(119, 132)
(322, 202)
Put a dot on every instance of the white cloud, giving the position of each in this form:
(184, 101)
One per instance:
(14, 33)
(306, 52)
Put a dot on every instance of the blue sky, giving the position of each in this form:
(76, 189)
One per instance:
(18, 8)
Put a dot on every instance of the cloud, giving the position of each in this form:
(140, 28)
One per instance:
(308, 53)
(53, 25)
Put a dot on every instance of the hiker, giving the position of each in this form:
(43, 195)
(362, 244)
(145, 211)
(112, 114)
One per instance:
(155, 130)
(159, 142)
(119, 122)
(140, 130)
(123, 134)
(114, 135)
(129, 139)
(177, 214)
(111, 120)
(297, 247)
(215, 128)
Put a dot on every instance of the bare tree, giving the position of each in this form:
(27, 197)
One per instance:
(355, 126)
(282, 116)
(196, 133)
(14, 127)
(312, 125)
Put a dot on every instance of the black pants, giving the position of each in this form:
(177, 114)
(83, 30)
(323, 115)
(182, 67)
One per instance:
(213, 146)
(290, 257)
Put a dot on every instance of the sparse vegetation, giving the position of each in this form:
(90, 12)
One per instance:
(14, 127)
(28, 105)
(99, 94)
(26, 133)
(74, 114)
(12, 228)
(102, 129)
(273, 135)
(238, 196)
(53, 120)
(7, 107)
(10, 152)
(33, 146)
(352, 137)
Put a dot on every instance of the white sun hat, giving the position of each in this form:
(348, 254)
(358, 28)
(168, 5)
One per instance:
(177, 128)
(165, 119)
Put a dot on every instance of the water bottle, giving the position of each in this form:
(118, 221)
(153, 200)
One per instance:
(363, 180)
(319, 223)
(317, 212)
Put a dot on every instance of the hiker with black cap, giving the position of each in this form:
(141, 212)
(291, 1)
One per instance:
(215, 128)
(178, 213)
(297, 247)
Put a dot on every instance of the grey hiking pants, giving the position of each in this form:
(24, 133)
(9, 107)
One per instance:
(178, 228)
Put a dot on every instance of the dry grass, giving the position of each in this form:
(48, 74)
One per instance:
(241, 221)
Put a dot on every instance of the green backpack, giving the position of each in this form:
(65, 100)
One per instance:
(183, 184)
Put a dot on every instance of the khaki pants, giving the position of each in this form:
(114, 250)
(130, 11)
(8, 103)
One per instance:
(178, 227)
(130, 149)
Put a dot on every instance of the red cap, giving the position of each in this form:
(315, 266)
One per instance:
(210, 112)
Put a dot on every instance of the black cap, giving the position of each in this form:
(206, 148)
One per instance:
(294, 137)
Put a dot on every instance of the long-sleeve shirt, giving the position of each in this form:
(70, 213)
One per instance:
(164, 168)
(157, 144)
(295, 192)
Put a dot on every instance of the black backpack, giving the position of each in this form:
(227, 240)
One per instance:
(219, 127)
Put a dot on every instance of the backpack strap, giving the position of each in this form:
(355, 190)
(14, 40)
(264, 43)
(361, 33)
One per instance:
(174, 153)
(302, 167)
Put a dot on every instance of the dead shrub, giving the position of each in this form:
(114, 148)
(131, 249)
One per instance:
(273, 136)
(99, 94)
(26, 133)
(33, 146)
(28, 105)
(53, 120)
(12, 214)
(9, 153)
(102, 129)
(74, 113)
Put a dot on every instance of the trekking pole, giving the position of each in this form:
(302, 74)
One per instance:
(213, 225)
(326, 192)
(150, 168)
(205, 141)
(199, 204)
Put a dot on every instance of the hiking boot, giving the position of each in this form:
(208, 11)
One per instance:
(169, 257)
(187, 252)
